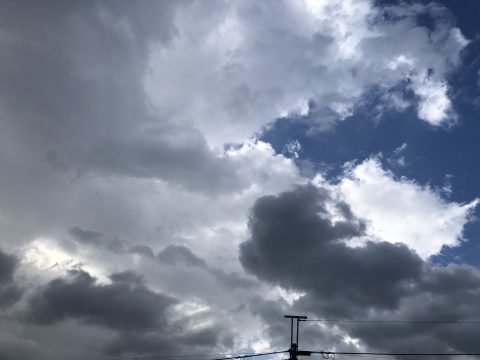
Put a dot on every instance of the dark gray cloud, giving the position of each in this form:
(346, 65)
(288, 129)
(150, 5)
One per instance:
(295, 243)
(140, 318)
(125, 305)
(10, 292)
(448, 293)
(8, 263)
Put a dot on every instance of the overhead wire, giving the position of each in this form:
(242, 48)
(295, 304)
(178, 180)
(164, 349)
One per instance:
(168, 356)
(392, 354)
(211, 356)
(390, 321)
(324, 354)
(253, 355)
(365, 357)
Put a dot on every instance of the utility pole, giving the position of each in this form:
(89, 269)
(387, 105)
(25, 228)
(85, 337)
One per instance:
(293, 351)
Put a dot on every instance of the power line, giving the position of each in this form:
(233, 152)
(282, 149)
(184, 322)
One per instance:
(362, 356)
(252, 355)
(164, 356)
(327, 353)
(212, 356)
(294, 352)
(391, 321)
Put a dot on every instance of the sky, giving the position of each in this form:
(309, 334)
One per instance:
(175, 176)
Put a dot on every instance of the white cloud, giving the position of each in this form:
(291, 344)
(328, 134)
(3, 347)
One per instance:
(293, 148)
(247, 63)
(401, 210)
(435, 107)
(398, 156)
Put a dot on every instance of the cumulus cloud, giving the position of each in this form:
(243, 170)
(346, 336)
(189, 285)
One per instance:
(435, 105)
(246, 64)
(401, 210)
(296, 243)
(298, 224)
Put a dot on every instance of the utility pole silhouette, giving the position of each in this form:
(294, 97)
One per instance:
(293, 351)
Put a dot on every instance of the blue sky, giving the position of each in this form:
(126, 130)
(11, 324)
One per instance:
(177, 176)
(433, 156)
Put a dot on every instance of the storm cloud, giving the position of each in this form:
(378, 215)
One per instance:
(299, 245)
(296, 244)
(126, 304)
(142, 320)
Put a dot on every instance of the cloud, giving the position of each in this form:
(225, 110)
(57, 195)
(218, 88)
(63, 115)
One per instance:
(176, 254)
(143, 250)
(8, 263)
(110, 243)
(171, 343)
(126, 304)
(440, 294)
(13, 347)
(435, 105)
(89, 237)
(246, 64)
(10, 292)
(401, 210)
(142, 321)
(175, 154)
(82, 101)
(85, 236)
(172, 256)
(277, 329)
(296, 243)
(397, 158)
(297, 224)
